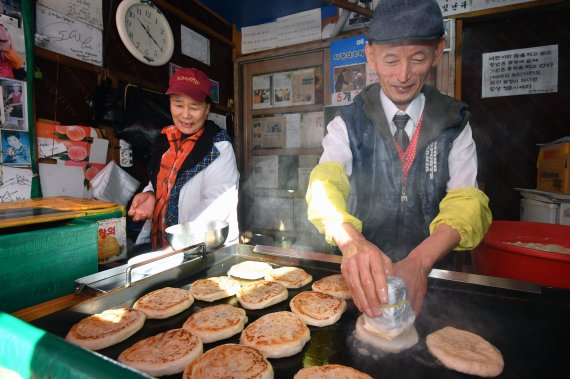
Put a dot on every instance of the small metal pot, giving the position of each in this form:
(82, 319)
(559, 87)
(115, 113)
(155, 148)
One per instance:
(213, 234)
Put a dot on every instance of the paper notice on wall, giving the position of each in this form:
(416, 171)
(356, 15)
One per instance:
(261, 87)
(15, 183)
(258, 37)
(520, 72)
(312, 129)
(299, 28)
(293, 134)
(87, 11)
(282, 92)
(195, 45)
(265, 171)
(303, 83)
(218, 119)
(64, 35)
(269, 132)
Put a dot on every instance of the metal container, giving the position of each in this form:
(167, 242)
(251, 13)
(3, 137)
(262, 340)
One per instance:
(213, 234)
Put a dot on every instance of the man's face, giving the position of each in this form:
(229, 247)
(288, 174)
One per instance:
(403, 67)
(188, 115)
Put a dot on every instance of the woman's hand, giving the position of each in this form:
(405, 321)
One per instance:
(142, 206)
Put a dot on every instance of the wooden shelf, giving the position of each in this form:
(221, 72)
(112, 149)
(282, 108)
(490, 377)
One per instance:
(288, 151)
(289, 109)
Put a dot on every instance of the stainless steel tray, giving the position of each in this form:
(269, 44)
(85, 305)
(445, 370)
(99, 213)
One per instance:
(526, 322)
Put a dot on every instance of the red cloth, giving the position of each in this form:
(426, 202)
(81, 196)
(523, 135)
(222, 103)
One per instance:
(169, 166)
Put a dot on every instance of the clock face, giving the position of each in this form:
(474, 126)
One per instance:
(145, 31)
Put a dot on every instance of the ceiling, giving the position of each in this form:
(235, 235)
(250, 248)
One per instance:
(255, 12)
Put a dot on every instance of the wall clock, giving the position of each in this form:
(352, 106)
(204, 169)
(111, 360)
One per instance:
(145, 31)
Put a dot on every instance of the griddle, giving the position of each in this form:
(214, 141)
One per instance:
(527, 323)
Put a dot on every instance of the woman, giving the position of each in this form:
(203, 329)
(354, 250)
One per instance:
(193, 174)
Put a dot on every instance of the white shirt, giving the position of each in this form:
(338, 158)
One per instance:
(210, 195)
(462, 157)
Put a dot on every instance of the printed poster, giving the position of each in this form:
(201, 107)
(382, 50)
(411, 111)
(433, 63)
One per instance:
(349, 71)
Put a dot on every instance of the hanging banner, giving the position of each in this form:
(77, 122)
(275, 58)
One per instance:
(348, 69)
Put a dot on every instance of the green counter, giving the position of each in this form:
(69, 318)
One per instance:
(34, 353)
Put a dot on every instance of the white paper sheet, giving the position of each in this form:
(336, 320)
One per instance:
(61, 180)
(299, 27)
(520, 72)
(293, 130)
(265, 171)
(67, 36)
(219, 119)
(258, 37)
(195, 45)
(87, 11)
(15, 183)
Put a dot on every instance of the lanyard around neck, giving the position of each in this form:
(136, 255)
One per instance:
(407, 157)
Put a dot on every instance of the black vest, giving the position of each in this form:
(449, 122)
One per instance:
(397, 226)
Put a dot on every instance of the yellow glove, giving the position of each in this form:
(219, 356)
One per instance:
(467, 211)
(326, 198)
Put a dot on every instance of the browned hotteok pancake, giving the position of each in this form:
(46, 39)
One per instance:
(230, 361)
(465, 352)
(107, 328)
(216, 288)
(290, 277)
(164, 302)
(166, 353)
(317, 309)
(261, 294)
(330, 372)
(333, 285)
(276, 335)
(216, 322)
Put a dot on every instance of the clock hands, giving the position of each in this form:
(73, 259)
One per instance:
(150, 35)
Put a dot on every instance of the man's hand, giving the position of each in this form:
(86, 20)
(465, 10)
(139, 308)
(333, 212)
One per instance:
(416, 278)
(142, 206)
(364, 266)
(415, 268)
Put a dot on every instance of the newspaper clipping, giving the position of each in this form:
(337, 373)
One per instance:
(269, 132)
(303, 82)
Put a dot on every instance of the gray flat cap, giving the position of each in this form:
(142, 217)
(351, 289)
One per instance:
(406, 20)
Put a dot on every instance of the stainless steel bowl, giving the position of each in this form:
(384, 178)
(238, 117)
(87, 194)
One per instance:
(213, 234)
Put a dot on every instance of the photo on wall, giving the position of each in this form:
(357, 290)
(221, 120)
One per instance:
(12, 46)
(12, 105)
(15, 148)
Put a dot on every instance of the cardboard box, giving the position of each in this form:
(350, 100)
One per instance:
(553, 173)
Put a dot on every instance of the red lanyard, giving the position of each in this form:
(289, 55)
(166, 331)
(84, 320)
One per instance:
(407, 158)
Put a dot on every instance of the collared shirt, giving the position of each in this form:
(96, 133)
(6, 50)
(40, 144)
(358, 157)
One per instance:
(462, 157)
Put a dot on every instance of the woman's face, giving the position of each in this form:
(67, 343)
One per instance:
(13, 141)
(188, 115)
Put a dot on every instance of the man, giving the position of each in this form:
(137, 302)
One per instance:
(396, 194)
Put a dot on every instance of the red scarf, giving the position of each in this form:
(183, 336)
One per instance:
(169, 166)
